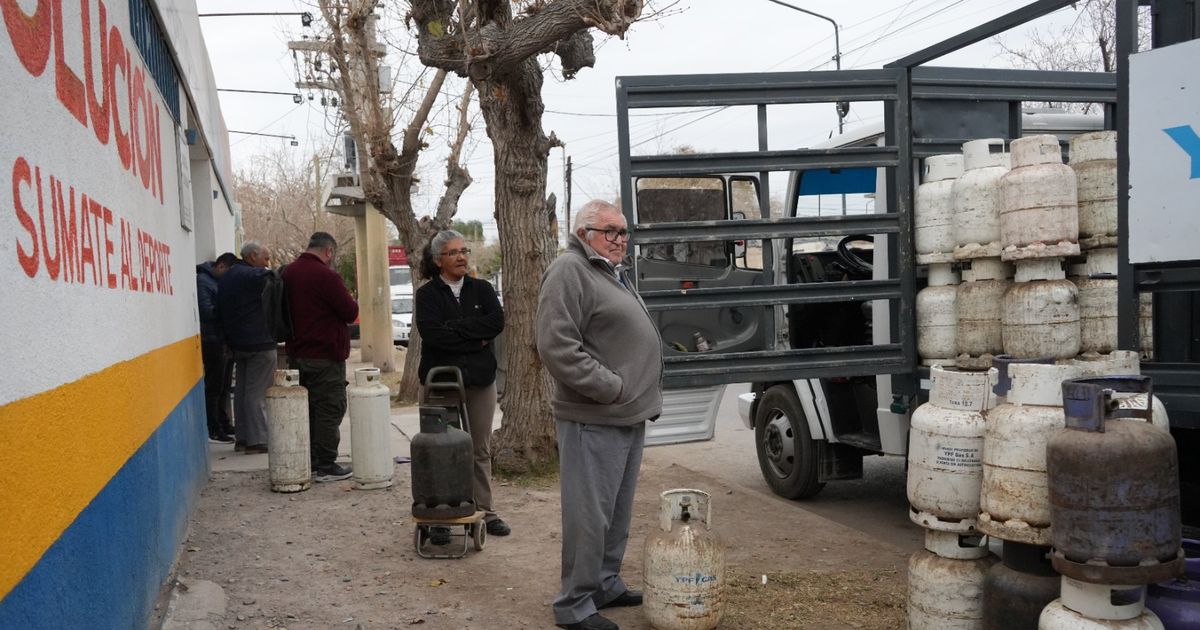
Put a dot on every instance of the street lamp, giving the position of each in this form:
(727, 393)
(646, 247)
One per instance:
(293, 140)
(296, 98)
(843, 107)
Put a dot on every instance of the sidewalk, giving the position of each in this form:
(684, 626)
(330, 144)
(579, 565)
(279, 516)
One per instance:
(337, 557)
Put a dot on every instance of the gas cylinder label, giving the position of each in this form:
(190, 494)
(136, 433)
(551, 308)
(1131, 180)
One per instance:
(698, 578)
(957, 457)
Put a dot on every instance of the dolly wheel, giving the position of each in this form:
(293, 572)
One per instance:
(479, 534)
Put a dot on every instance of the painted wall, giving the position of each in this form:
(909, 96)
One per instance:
(101, 397)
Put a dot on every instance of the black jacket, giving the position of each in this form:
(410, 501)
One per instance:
(206, 298)
(240, 310)
(459, 332)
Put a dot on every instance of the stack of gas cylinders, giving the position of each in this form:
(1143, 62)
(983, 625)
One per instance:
(1014, 224)
(1034, 516)
(945, 580)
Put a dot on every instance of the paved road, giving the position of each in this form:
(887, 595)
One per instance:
(875, 504)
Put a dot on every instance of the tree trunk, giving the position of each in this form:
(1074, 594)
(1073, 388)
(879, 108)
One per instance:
(512, 107)
(410, 383)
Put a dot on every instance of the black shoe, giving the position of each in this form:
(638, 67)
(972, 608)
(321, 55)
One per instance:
(331, 472)
(498, 528)
(220, 438)
(595, 622)
(439, 535)
(239, 446)
(628, 598)
(256, 449)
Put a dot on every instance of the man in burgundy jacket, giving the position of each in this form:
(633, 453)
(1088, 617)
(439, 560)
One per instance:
(321, 308)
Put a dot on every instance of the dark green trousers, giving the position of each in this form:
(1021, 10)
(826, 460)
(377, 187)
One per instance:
(326, 384)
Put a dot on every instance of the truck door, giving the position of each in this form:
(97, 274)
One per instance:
(742, 304)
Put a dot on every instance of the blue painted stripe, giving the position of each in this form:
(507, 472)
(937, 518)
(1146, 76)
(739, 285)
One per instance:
(106, 569)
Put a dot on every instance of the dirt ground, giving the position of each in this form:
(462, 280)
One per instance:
(337, 557)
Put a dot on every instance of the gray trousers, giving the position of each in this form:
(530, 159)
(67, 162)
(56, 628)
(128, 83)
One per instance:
(481, 413)
(598, 471)
(254, 372)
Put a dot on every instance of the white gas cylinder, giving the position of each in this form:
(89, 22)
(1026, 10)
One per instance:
(370, 440)
(1094, 160)
(975, 197)
(978, 304)
(1097, 283)
(289, 462)
(1099, 607)
(683, 565)
(1040, 213)
(933, 219)
(1041, 311)
(945, 445)
(945, 582)
(936, 317)
(1118, 363)
(1014, 500)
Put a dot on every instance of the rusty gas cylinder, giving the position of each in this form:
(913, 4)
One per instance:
(1114, 488)
(683, 566)
(1016, 590)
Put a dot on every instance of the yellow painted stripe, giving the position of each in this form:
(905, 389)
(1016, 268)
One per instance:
(59, 448)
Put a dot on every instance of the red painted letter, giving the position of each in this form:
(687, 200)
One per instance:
(29, 262)
(117, 57)
(56, 200)
(98, 110)
(30, 34)
(70, 88)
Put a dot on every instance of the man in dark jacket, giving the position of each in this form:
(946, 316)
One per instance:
(321, 308)
(212, 346)
(240, 309)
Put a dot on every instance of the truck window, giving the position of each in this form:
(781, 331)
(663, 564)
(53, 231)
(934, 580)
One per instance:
(743, 193)
(671, 199)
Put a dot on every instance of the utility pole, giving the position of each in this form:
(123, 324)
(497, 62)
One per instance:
(370, 229)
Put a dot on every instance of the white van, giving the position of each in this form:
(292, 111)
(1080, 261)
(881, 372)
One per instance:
(400, 279)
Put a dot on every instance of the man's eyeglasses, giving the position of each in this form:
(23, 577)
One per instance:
(451, 253)
(611, 234)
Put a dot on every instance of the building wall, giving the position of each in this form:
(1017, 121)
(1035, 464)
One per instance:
(101, 397)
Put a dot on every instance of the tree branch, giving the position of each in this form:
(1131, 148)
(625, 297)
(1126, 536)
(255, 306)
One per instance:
(499, 46)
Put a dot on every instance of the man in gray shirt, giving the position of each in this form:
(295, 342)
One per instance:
(604, 353)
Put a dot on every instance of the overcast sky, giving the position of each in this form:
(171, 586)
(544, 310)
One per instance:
(698, 36)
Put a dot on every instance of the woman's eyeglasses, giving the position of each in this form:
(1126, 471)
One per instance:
(466, 251)
(611, 234)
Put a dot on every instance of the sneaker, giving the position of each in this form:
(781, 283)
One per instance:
(439, 535)
(219, 438)
(331, 472)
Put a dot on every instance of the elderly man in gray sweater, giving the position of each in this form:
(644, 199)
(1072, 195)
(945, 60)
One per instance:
(598, 342)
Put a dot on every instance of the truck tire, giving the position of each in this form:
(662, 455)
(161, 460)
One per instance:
(787, 454)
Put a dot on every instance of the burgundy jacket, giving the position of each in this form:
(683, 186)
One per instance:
(321, 309)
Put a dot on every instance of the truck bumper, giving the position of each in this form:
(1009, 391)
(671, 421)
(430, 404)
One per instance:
(744, 403)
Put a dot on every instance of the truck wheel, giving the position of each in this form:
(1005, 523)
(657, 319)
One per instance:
(787, 454)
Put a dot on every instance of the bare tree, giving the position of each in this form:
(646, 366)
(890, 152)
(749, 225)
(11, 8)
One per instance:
(278, 196)
(495, 43)
(1087, 44)
(387, 172)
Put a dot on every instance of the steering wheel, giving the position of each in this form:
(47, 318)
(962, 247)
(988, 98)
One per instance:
(854, 263)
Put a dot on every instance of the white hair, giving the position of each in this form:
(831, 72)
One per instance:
(251, 247)
(587, 214)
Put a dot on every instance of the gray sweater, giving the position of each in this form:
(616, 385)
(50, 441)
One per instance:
(598, 342)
